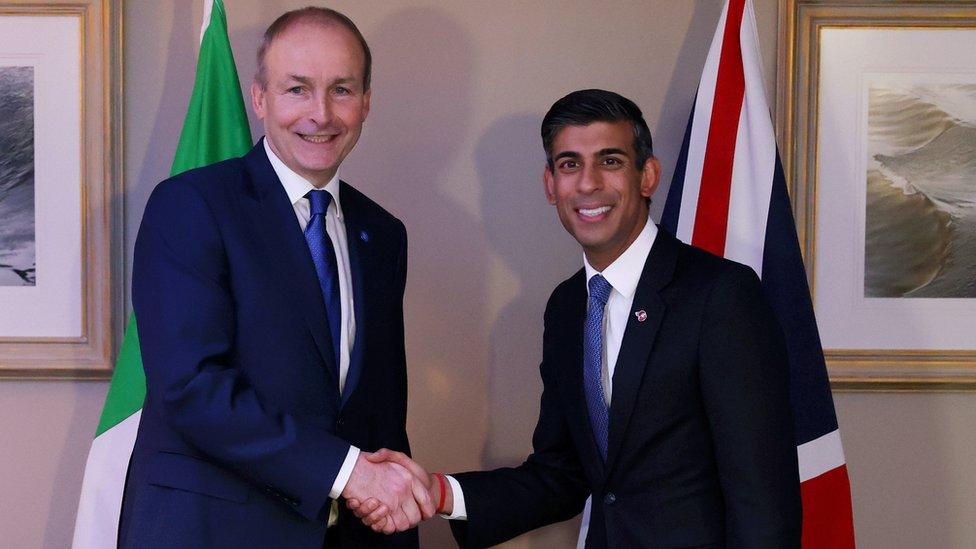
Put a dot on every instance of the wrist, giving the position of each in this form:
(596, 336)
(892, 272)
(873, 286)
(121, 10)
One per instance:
(444, 495)
(351, 489)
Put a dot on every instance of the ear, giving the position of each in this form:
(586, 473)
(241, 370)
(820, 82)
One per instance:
(366, 97)
(549, 183)
(650, 177)
(257, 99)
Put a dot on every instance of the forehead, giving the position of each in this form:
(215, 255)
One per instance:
(594, 137)
(315, 44)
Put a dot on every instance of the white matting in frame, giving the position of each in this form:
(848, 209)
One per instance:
(852, 62)
(53, 306)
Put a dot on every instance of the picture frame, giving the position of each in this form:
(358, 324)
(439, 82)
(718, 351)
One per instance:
(62, 60)
(890, 320)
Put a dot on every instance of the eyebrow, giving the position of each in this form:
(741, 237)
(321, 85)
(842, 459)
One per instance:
(308, 81)
(299, 78)
(567, 154)
(601, 152)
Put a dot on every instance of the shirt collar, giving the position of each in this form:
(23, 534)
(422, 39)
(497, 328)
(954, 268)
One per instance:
(297, 186)
(625, 271)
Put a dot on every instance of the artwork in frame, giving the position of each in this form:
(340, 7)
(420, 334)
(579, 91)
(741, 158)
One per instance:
(17, 236)
(877, 116)
(60, 193)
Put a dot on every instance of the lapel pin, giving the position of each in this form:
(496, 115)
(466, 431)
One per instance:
(364, 236)
(641, 315)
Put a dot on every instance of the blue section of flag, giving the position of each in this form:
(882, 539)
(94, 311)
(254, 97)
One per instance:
(784, 282)
(672, 207)
(785, 285)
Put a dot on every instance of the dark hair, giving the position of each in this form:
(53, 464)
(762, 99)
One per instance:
(585, 107)
(311, 14)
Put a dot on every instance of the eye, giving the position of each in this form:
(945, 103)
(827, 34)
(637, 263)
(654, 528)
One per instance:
(611, 161)
(342, 90)
(568, 165)
(295, 90)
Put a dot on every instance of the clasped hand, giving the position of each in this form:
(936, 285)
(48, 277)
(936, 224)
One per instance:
(389, 491)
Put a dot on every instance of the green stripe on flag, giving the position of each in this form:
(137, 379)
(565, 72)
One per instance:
(215, 129)
(216, 125)
(128, 389)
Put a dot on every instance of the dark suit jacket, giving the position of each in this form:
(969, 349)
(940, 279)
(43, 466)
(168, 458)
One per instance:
(243, 430)
(701, 450)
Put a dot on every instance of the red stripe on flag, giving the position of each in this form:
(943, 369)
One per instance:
(712, 215)
(828, 521)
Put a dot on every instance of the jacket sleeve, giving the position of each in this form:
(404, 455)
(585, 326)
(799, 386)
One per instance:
(745, 384)
(548, 487)
(185, 316)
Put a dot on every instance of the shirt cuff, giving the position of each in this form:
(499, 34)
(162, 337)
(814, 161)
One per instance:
(344, 473)
(459, 511)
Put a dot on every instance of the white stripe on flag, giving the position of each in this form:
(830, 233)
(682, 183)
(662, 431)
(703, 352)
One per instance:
(97, 523)
(820, 455)
(585, 525)
(755, 159)
(207, 10)
(699, 134)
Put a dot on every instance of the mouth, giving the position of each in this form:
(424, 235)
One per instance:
(317, 139)
(593, 214)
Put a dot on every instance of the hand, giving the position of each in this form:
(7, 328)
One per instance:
(392, 487)
(374, 514)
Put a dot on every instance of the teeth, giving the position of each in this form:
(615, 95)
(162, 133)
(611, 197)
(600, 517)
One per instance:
(594, 211)
(318, 138)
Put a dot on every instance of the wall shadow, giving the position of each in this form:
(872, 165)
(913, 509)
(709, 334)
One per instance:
(680, 96)
(66, 486)
(420, 117)
(525, 232)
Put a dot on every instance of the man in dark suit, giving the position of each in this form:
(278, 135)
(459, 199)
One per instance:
(268, 295)
(664, 373)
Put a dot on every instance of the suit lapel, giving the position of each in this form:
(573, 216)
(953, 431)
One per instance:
(639, 337)
(269, 211)
(569, 331)
(360, 262)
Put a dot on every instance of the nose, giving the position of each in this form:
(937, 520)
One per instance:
(590, 180)
(322, 111)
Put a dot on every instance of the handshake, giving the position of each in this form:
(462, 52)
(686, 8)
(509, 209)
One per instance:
(391, 493)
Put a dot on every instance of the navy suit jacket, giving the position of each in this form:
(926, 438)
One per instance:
(701, 450)
(243, 430)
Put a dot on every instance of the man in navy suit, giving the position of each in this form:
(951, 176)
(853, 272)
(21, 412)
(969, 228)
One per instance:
(665, 390)
(269, 300)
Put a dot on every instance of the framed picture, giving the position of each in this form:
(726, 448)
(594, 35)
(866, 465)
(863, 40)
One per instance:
(61, 288)
(877, 117)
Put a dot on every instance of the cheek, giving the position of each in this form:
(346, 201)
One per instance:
(351, 113)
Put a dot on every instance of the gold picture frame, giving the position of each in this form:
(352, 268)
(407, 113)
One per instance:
(802, 24)
(94, 206)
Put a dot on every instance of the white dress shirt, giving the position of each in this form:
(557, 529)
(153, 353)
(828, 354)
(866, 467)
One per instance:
(297, 187)
(623, 275)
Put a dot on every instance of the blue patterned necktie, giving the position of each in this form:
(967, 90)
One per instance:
(593, 362)
(324, 257)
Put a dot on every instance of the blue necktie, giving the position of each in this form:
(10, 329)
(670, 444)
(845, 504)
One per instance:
(324, 257)
(593, 362)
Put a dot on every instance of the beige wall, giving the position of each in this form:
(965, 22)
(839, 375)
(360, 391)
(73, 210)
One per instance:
(452, 148)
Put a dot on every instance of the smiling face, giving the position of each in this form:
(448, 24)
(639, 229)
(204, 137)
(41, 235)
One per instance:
(313, 101)
(599, 191)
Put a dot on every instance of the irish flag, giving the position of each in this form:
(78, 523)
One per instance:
(729, 197)
(215, 129)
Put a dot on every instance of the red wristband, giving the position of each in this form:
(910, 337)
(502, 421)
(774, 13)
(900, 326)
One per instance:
(443, 484)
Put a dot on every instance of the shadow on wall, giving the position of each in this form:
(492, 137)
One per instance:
(682, 86)
(419, 120)
(66, 487)
(522, 228)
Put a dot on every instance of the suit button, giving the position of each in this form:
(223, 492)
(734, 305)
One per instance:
(341, 422)
(609, 499)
